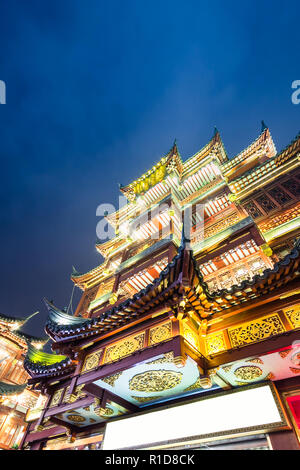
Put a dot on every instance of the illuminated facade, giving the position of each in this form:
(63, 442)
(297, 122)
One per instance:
(15, 398)
(198, 298)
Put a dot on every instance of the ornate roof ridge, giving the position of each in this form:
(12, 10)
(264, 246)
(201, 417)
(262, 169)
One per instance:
(30, 338)
(173, 150)
(216, 137)
(7, 389)
(41, 357)
(53, 320)
(209, 300)
(77, 275)
(20, 322)
(12, 319)
(272, 159)
(246, 150)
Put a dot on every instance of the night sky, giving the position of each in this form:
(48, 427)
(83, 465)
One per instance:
(96, 93)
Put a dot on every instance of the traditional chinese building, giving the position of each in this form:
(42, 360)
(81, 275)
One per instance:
(15, 398)
(193, 316)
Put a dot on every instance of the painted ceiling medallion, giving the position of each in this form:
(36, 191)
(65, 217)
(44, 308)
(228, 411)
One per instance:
(155, 381)
(248, 372)
(285, 353)
(296, 358)
(76, 418)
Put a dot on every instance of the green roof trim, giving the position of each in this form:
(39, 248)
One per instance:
(11, 389)
(36, 356)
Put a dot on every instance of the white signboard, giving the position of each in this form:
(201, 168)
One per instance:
(254, 408)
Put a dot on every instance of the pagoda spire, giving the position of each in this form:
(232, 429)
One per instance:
(263, 126)
(215, 131)
(74, 270)
(174, 148)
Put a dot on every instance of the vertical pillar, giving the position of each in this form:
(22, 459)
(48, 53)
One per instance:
(26, 432)
(37, 445)
(283, 440)
(80, 357)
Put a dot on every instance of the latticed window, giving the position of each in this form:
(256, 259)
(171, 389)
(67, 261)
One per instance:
(241, 274)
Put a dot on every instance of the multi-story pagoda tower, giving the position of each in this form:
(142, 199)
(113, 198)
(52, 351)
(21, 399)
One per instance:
(198, 296)
(15, 398)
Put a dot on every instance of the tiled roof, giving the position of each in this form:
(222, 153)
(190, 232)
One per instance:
(180, 279)
(268, 166)
(39, 363)
(11, 389)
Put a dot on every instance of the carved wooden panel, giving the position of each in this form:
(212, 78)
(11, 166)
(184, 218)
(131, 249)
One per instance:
(91, 361)
(215, 343)
(160, 333)
(124, 348)
(256, 330)
(56, 397)
(293, 315)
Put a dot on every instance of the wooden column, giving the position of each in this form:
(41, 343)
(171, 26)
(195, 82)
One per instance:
(283, 440)
(37, 445)
(81, 357)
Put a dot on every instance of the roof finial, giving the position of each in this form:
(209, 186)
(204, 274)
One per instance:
(75, 272)
(215, 131)
(30, 316)
(263, 126)
(174, 146)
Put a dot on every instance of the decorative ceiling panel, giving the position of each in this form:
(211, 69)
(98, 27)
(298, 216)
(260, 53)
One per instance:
(275, 366)
(154, 380)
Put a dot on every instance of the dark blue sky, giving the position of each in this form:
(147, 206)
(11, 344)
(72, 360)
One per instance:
(96, 93)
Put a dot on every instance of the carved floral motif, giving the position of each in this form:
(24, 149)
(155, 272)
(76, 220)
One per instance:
(76, 418)
(256, 330)
(167, 357)
(56, 397)
(124, 348)
(91, 361)
(155, 381)
(215, 343)
(160, 333)
(293, 315)
(248, 372)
